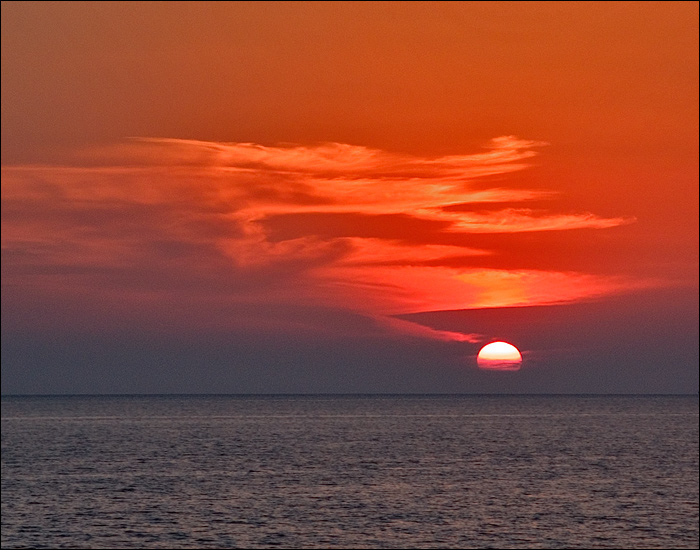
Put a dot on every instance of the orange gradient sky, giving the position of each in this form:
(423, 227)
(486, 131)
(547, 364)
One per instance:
(308, 176)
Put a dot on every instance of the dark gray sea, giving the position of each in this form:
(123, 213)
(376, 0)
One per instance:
(350, 472)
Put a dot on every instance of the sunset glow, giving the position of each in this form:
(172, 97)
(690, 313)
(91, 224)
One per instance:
(348, 196)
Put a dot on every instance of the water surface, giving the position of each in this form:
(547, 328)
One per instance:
(350, 472)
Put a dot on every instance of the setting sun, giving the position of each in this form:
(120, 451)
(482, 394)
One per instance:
(499, 356)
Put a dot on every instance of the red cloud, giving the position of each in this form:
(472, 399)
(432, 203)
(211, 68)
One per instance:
(336, 225)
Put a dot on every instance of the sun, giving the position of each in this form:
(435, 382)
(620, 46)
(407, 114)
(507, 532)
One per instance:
(499, 356)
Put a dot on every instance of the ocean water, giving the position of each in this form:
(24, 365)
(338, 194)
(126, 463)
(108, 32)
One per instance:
(350, 472)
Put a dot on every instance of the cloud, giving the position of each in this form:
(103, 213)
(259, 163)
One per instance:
(520, 220)
(150, 221)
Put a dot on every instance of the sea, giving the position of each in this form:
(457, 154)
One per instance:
(350, 471)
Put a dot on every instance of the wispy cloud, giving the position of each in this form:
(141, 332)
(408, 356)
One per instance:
(332, 225)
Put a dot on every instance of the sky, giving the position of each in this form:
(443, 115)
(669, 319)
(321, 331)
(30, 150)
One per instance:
(349, 197)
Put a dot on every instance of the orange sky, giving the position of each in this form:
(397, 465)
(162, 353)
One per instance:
(222, 166)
